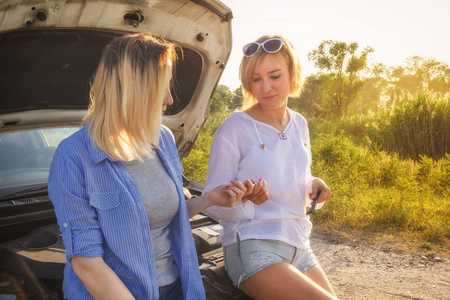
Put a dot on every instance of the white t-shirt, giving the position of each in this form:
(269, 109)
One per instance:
(237, 154)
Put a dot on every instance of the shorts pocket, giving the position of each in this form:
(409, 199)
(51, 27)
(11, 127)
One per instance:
(233, 264)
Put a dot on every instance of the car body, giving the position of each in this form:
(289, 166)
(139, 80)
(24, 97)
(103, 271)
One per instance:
(48, 53)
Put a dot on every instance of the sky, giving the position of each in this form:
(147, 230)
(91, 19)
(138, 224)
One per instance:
(396, 29)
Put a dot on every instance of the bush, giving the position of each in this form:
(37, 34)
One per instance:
(196, 163)
(377, 191)
(435, 174)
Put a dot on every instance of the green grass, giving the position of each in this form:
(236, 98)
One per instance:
(377, 188)
(379, 192)
(196, 164)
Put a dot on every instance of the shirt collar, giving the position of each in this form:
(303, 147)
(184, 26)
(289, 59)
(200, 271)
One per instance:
(96, 155)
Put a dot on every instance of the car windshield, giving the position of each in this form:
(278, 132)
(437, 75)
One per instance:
(25, 157)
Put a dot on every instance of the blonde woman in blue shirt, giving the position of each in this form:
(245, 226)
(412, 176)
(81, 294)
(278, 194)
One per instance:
(117, 189)
(266, 247)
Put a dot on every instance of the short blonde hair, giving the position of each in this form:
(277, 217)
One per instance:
(248, 65)
(127, 93)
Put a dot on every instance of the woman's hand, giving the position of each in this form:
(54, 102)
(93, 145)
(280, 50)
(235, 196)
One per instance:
(319, 186)
(256, 191)
(227, 195)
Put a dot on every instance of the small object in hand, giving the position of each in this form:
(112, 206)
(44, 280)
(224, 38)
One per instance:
(312, 210)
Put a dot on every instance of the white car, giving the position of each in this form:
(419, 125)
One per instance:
(49, 50)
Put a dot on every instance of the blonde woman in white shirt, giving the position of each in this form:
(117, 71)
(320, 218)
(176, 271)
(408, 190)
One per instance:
(266, 243)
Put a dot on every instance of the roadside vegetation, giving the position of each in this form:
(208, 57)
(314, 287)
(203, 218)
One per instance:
(380, 138)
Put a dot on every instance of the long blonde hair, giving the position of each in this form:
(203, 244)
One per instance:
(127, 93)
(248, 65)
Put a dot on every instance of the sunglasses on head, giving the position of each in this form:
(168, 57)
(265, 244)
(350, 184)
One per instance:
(272, 45)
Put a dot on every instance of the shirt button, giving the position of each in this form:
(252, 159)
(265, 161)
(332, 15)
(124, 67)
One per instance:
(66, 225)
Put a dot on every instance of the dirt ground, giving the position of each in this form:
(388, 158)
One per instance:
(383, 269)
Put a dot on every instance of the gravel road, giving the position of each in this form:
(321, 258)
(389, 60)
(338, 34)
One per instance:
(375, 272)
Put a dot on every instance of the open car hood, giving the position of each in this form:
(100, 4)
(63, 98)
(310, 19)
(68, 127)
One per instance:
(49, 51)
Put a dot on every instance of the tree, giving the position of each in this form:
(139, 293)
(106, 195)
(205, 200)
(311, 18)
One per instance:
(237, 100)
(371, 96)
(221, 98)
(314, 90)
(420, 73)
(341, 62)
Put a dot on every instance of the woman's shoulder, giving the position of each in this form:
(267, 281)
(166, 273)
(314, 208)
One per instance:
(297, 116)
(235, 122)
(166, 132)
(237, 116)
(75, 147)
(75, 140)
(167, 140)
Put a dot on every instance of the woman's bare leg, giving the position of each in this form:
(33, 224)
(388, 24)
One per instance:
(317, 275)
(282, 281)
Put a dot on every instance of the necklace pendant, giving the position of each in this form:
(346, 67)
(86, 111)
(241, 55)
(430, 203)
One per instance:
(282, 136)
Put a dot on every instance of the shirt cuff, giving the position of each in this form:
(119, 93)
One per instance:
(308, 188)
(87, 243)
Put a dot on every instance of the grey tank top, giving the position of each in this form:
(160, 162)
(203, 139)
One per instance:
(161, 202)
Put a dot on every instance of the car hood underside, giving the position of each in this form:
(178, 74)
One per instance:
(49, 51)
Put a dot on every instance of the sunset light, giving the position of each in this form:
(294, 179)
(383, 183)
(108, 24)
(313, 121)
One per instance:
(395, 29)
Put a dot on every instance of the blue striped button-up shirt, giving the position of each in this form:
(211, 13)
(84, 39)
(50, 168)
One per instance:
(101, 213)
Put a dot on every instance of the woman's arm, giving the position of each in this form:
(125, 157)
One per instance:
(223, 166)
(223, 195)
(232, 202)
(99, 279)
(82, 233)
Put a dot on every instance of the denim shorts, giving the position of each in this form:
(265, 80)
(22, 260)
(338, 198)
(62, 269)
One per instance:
(246, 258)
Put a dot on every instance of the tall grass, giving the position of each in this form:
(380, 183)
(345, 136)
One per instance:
(417, 126)
(389, 171)
(380, 192)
